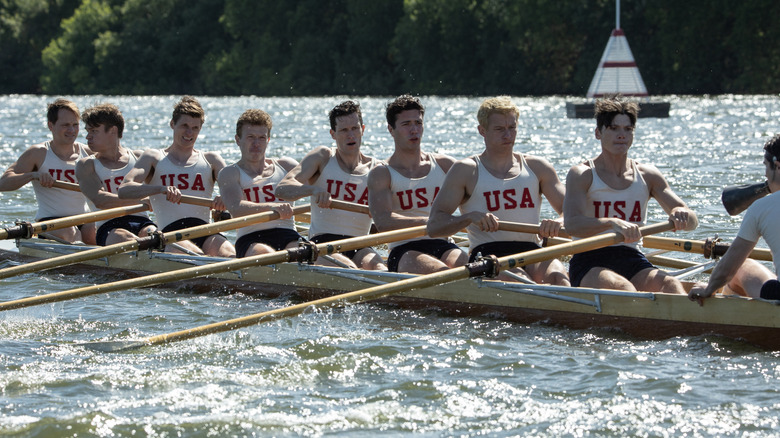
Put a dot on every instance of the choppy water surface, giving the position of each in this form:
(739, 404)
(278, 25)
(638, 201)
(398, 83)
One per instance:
(369, 368)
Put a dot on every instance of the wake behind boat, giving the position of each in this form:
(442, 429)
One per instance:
(643, 314)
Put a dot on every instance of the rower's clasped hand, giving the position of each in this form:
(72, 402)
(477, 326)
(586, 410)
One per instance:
(629, 230)
(284, 210)
(217, 204)
(45, 179)
(698, 293)
(679, 217)
(485, 221)
(321, 198)
(549, 228)
(172, 194)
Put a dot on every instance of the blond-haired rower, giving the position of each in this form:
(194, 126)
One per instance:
(501, 184)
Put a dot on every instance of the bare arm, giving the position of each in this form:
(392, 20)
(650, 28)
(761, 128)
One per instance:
(135, 186)
(380, 203)
(25, 169)
(553, 189)
(91, 187)
(298, 183)
(683, 217)
(457, 187)
(727, 267)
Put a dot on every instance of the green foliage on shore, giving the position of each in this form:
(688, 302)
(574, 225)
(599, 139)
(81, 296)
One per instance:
(380, 47)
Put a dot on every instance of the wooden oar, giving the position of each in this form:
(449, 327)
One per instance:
(303, 253)
(158, 240)
(476, 269)
(185, 199)
(709, 249)
(27, 230)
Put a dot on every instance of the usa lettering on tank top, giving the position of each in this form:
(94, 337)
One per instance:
(261, 189)
(629, 204)
(342, 186)
(112, 178)
(516, 199)
(414, 196)
(54, 202)
(192, 180)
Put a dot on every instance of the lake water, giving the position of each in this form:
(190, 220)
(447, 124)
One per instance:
(371, 369)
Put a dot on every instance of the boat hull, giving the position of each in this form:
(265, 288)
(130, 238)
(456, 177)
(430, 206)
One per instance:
(645, 315)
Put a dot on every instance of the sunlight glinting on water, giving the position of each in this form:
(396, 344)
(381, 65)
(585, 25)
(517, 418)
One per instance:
(373, 368)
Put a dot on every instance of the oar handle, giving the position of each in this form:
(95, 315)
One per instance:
(526, 228)
(186, 199)
(349, 206)
(576, 246)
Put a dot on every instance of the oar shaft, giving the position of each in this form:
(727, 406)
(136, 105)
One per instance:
(699, 247)
(405, 285)
(142, 243)
(526, 228)
(70, 221)
(216, 268)
(185, 199)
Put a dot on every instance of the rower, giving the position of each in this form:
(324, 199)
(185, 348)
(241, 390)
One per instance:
(166, 174)
(339, 173)
(501, 184)
(610, 193)
(248, 186)
(46, 162)
(101, 174)
(400, 193)
(735, 271)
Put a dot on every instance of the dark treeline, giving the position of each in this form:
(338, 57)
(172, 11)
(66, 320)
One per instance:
(380, 47)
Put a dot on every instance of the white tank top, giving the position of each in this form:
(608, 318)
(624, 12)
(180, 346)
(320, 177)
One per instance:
(111, 179)
(516, 199)
(53, 202)
(414, 196)
(193, 180)
(629, 204)
(259, 189)
(345, 187)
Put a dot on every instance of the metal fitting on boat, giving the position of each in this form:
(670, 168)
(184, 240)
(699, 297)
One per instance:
(305, 252)
(22, 230)
(152, 241)
(484, 266)
(712, 249)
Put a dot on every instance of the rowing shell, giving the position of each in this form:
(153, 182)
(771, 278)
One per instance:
(642, 314)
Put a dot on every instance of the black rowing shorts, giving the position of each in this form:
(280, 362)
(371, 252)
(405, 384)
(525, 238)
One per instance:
(131, 223)
(502, 249)
(276, 238)
(432, 247)
(621, 259)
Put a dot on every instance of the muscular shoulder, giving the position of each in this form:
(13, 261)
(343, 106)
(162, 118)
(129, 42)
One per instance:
(153, 155)
(228, 173)
(380, 175)
(538, 164)
(650, 173)
(287, 163)
(444, 161)
(579, 176)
